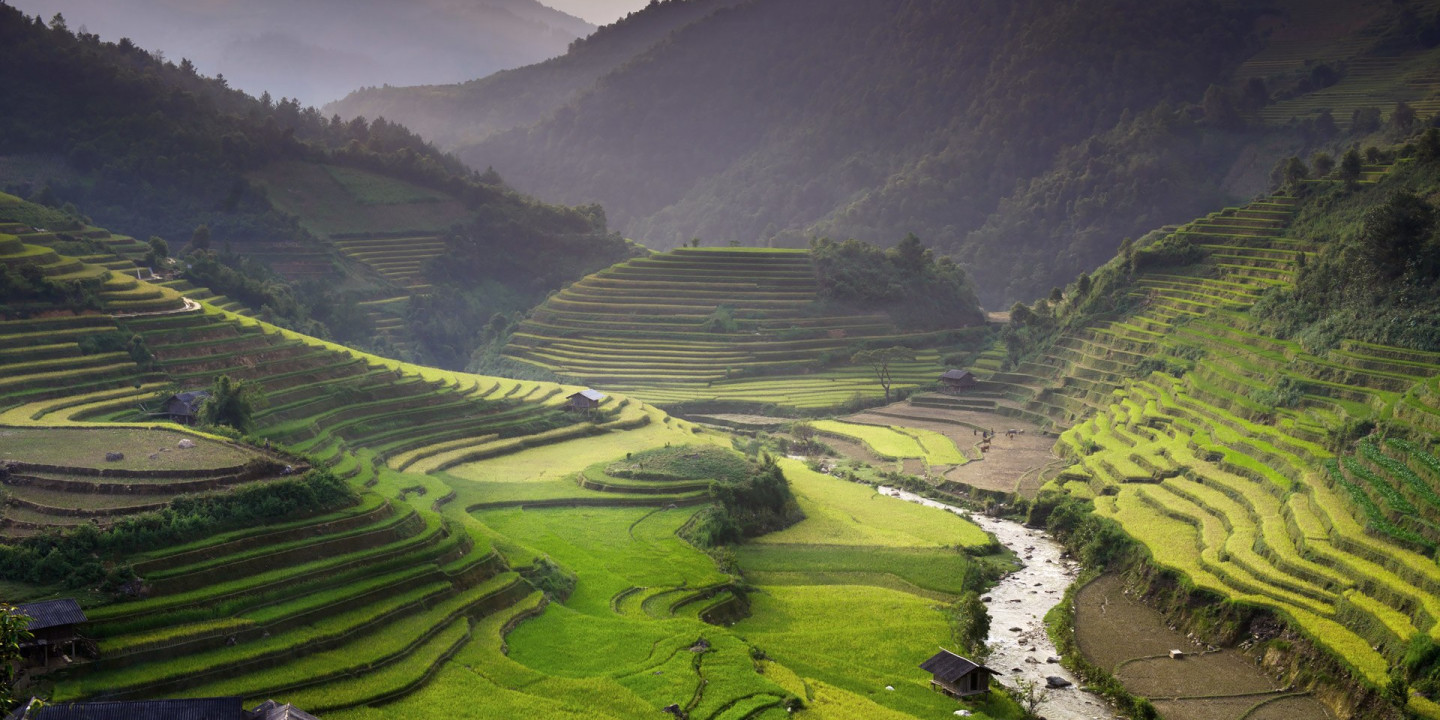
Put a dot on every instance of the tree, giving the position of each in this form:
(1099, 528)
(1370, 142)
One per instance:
(1219, 108)
(1351, 165)
(1394, 233)
(880, 360)
(1323, 163)
(231, 403)
(14, 630)
(1403, 117)
(200, 239)
(970, 625)
(1289, 172)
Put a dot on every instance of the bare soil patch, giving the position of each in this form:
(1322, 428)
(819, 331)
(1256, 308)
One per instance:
(1117, 632)
(1013, 464)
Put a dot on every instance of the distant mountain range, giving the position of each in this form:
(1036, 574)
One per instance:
(319, 50)
(1025, 138)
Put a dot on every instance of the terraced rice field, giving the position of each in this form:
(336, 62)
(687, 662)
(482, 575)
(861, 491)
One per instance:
(416, 596)
(1248, 499)
(723, 324)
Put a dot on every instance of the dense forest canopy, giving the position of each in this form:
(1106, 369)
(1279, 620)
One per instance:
(1025, 139)
(780, 120)
(151, 148)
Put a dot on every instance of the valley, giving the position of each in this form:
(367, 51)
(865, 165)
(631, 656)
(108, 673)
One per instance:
(307, 410)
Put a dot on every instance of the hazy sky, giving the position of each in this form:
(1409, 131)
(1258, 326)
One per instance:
(599, 12)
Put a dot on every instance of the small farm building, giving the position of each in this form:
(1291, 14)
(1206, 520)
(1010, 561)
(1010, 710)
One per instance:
(52, 627)
(184, 407)
(585, 400)
(953, 381)
(956, 676)
(226, 708)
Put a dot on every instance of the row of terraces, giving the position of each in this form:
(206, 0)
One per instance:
(359, 606)
(682, 324)
(1246, 254)
(399, 260)
(1225, 452)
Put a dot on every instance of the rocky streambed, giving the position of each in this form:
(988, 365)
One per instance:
(1020, 646)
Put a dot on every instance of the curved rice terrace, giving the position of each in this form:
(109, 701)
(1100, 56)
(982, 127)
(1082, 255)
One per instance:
(714, 325)
(1246, 499)
(420, 595)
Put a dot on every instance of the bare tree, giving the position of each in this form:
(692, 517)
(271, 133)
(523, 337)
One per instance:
(1031, 695)
(880, 360)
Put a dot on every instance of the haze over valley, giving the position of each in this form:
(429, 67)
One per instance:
(465, 359)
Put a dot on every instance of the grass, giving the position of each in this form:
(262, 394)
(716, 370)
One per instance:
(843, 513)
(939, 570)
(86, 449)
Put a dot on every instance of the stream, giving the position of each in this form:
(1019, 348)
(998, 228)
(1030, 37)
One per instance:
(1020, 647)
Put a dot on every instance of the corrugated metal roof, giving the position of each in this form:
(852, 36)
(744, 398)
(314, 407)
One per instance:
(271, 710)
(51, 613)
(956, 374)
(948, 666)
(589, 394)
(229, 708)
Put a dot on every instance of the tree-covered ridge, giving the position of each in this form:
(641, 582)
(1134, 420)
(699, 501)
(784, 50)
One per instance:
(892, 119)
(466, 113)
(917, 290)
(159, 149)
(1024, 139)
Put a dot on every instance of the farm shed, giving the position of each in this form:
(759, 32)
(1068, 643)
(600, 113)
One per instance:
(226, 708)
(953, 381)
(586, 399)
(956, 676)
(183, 407)
(52, 625)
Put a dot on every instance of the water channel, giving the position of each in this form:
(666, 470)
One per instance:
(1018, 603)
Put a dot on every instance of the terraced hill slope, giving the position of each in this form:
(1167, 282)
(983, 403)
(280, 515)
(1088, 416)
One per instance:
(723, 324)
(471, 492)
(1233, 456)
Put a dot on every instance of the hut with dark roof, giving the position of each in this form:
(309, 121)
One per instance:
(52, 626)
(956, 676)
(184, 407)
(954, 381)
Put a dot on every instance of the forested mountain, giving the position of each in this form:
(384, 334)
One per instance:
(1022, 137)
(318, 50)
(469, 112)
(150, 147)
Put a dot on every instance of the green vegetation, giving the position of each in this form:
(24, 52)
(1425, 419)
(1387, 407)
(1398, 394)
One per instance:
(734, 326)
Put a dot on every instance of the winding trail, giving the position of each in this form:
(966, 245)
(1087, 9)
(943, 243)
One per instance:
(1020, 601)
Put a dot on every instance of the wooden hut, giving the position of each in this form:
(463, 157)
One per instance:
(586, 399)
(184, 407)
(956, 676)
(52, 627)
(955, 381)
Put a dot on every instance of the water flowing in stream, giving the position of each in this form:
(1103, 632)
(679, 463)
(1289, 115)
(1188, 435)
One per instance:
(1018, 603)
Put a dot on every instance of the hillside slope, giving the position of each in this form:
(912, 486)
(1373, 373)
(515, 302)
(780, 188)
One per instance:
(752, 326)
(1246, 398)
(1022, 139)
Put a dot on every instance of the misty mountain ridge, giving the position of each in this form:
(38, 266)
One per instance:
(318, 50)
(1026, 139)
